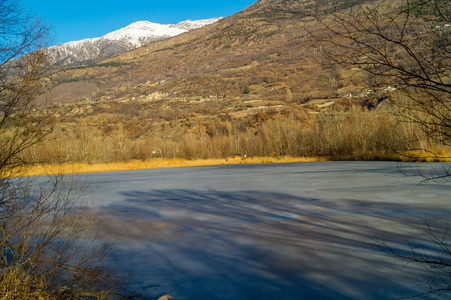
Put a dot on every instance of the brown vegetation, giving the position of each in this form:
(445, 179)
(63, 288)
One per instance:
(155, 163)
(209, 130)
(257, 83)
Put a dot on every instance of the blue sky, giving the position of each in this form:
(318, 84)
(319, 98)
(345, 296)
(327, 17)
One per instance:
(76, 20)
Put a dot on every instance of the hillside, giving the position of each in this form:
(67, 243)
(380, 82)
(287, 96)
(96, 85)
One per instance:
(267, 45)
(255, 83)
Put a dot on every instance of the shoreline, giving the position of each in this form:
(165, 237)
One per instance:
(157, 163)
(161, 163)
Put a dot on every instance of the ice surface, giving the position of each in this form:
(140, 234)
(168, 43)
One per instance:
(279, 231)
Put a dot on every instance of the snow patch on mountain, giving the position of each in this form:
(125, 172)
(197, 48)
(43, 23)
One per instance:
(130, 37)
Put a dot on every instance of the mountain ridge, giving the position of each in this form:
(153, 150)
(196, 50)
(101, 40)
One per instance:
(124, 39)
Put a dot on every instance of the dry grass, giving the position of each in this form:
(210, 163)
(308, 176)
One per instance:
(437, 155)
(72, 168)
(441, 155)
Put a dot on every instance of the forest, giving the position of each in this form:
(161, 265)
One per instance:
(134, 131)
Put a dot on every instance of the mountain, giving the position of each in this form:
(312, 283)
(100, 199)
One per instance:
(133, 36)
(266, 50)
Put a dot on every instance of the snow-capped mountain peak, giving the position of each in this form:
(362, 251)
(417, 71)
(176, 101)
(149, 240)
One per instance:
(143, 30)
(130, 37)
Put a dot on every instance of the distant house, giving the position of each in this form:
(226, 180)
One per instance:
(155, 96)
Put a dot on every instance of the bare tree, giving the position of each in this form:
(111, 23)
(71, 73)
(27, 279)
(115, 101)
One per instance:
(433, 255)
(22, 64)
(402, 44)
(50, 243)
(405, 45)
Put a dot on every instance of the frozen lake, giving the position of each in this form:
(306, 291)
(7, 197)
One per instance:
(272, 231)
